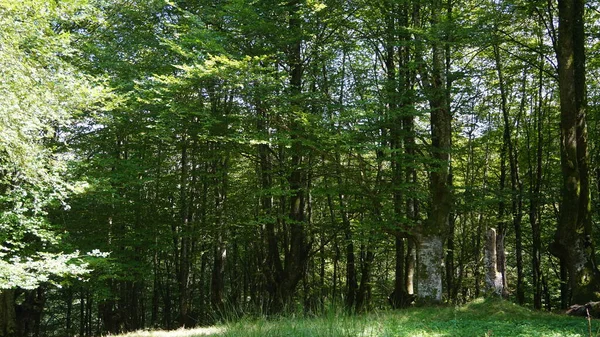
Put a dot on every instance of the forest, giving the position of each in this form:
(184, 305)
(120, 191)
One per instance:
(170, 163)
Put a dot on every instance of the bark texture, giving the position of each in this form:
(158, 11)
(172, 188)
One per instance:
(437, 226)
(573, 238)
(431, 269)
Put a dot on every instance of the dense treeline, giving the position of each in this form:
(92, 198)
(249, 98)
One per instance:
(174, 163)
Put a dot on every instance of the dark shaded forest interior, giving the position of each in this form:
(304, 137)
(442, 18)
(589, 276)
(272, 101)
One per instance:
(179, 163)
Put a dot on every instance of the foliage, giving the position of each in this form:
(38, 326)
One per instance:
(240, 158)
(40, 94)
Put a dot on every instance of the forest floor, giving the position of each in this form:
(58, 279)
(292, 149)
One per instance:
(478, 318)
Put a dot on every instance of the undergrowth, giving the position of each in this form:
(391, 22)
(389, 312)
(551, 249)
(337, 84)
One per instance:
(478, 318)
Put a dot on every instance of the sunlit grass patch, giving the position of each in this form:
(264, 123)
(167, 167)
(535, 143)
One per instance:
(478, 318)
(210, 331)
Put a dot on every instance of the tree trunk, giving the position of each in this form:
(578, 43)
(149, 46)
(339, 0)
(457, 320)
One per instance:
(502, 226)
(8, 317)
(184, 233)
(436, 228)
(516, 186)
(411, 179)
(411, 259)
(573, 243)
(480, 225)
(534, 191)
(284, 282)
(399, 297)
(450, 231)
(401, 102)
(451, 284)
(517, 197)
(217, 282)
(217, 285)
(273, 269)
(82, 313)
(205, 313)
(351, 277)
(89, 304)
(69, 313)
(493, 278)
(364, 290)
(29, 311)
(155, 290)
(430, 271)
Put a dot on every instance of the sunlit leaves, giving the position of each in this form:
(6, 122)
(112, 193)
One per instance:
(30, 272)
(40, 92)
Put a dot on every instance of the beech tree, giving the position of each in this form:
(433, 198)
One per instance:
(267, 157)
(573, 243)
(41, 93)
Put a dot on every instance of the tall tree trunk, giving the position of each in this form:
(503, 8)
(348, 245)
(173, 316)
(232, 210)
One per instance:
(450, 236)
(435, 231)
(411, 178)
(274, 268)
(507, 149)
(451, 284)
(351, 277)
(515, 183)
(481, 218)
(502, 226)
(573, 243)
(535, 182)
(401, 103)
(398, 298)
(184, 233)
(296, 244)
(217, 285)
(517, 196)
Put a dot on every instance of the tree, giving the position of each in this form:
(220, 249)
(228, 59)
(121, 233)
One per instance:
(41, 93)
(436, 229)
(573, 242)
(244, 169)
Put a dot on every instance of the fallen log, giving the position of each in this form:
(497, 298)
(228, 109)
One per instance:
(591, 309)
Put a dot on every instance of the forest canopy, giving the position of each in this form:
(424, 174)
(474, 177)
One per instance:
(176, 163)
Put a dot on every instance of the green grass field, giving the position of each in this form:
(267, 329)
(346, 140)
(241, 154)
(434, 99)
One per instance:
(478, 318)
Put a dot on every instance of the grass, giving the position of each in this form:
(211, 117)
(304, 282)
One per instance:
(478, 318)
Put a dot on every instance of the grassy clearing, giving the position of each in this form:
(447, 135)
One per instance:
(478, 318)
